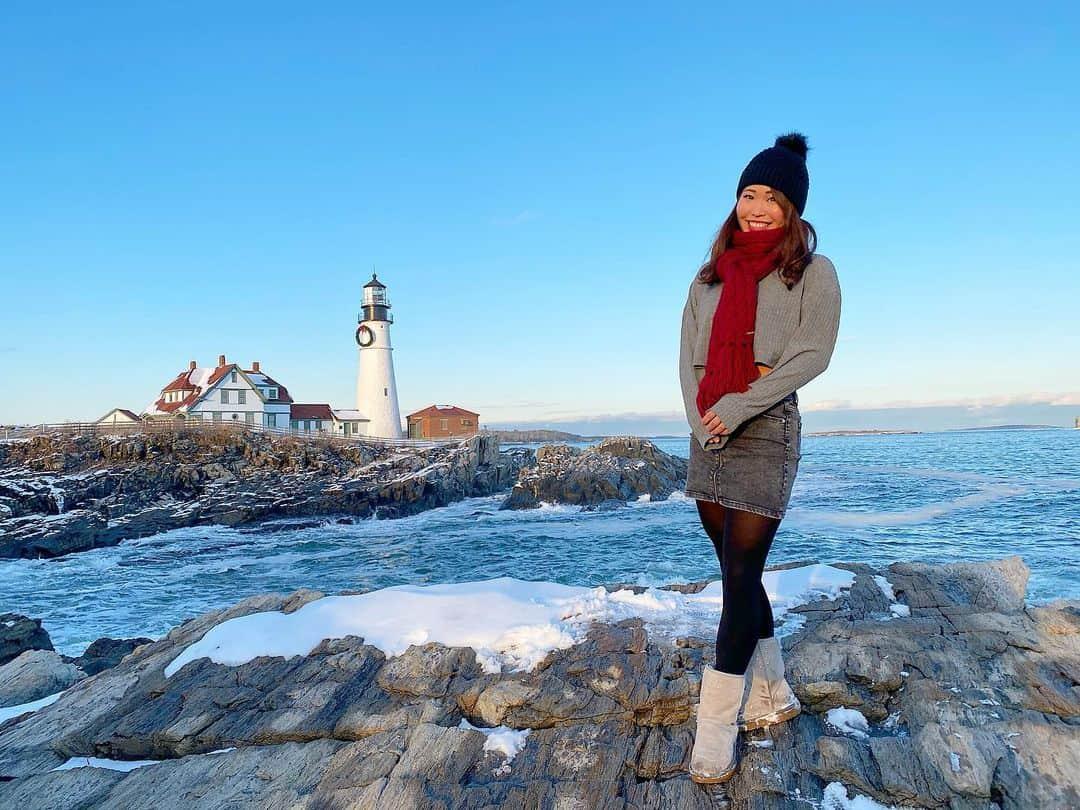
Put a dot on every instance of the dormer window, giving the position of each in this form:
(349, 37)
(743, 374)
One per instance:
(271, 393)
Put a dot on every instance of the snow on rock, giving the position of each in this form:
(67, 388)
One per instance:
(885, 586)
(848, 721)
(7, 712)
(510, 623)
(108, 764)
(896, 609)
(500, 740)
(835, 798)
(119, 764)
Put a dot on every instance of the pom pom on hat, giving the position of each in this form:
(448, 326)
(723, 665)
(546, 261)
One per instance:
(795, 141)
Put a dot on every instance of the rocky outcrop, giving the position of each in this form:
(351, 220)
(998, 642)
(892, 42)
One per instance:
(38, 671)
(972, 702)
(105, 653)
(19, 634)
(608, 474)
(64, 494)
(36, 674)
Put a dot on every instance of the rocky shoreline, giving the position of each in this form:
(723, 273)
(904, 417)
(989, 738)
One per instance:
(62, 494)
(968, 698)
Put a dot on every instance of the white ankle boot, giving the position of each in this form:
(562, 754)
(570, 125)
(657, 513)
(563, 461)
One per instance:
(715, 753)
(769, 698)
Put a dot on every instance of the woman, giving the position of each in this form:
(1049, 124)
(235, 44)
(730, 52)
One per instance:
(760, 322)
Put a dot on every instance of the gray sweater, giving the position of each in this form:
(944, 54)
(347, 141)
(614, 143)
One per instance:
(795, 333)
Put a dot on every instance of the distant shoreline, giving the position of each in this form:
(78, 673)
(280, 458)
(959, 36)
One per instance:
(541, 436)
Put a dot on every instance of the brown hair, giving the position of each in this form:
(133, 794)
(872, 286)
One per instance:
(792, 256)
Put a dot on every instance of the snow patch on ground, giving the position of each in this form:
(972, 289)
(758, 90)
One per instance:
(848, 721)
(836, 798)
(108, 764)
(118, 764)
(510, 623)
(7, 712)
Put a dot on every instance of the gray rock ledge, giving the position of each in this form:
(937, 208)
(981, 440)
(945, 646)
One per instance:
(973, 702)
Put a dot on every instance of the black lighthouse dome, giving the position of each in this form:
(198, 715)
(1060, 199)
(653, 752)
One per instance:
(376, 306)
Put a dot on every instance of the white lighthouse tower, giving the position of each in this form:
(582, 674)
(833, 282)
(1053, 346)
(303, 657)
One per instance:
(376, 391)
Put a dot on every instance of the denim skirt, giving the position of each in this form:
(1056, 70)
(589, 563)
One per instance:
(755, 469)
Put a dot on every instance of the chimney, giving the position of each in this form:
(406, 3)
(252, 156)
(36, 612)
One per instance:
(191, 366)
(220, 360)
(255, 366)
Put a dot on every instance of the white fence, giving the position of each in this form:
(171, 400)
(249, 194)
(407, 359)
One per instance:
(180, 426)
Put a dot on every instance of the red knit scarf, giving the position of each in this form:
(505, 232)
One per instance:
(729, 367)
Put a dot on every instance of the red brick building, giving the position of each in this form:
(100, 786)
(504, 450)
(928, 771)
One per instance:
(442, 421)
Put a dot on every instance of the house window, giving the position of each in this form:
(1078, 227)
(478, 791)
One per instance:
(318, 424)
(241, 397)
(384, 393)
(271, 393)
(217, 416)
(443, 424)
(233, 377)
(224, 394)
(307, 424)
(249, 417)
(466, 422)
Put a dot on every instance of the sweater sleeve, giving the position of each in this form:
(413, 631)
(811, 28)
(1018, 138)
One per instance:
(687, 380)
(805, 356)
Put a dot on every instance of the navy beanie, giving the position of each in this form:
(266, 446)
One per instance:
(781, 166)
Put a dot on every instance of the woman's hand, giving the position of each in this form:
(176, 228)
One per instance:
(713, 424)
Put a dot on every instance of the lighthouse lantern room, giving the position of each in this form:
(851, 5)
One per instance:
(376, 390)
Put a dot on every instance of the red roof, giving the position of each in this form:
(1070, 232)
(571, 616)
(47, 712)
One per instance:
(220, 372)
(181, 383)
(169, 407)
(310, 411)
(452, 410)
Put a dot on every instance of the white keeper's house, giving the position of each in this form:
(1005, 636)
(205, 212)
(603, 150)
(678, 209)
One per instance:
(224, 393)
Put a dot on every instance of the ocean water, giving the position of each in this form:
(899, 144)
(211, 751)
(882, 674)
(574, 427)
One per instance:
(947, 496)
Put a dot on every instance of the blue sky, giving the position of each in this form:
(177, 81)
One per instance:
(536, 186)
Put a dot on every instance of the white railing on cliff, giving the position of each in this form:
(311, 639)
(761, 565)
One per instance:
(179, 426)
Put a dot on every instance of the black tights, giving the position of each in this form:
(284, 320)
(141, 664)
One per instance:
(742, 541)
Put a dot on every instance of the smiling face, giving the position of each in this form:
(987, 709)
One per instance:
(758, 209)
